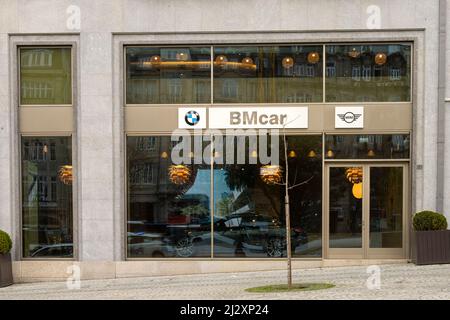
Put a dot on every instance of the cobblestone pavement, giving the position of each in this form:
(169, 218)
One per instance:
(397, 282)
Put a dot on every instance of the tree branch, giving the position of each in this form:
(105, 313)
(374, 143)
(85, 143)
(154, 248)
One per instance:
(299, 184)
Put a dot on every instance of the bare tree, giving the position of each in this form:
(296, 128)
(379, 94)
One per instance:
(287, 187)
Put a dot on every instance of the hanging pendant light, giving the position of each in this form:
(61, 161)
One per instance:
(179, 174)
(292, 154)
(247, 61)
(313, 57)
(354, 53)
(65, 174)
(155, 59)
(221, 59)
(354, 175)
(287, 62)
(181, 56)
(270, 174)
(380, 58)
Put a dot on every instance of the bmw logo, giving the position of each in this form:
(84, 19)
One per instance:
(192, 118)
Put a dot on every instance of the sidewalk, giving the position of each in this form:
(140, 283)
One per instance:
(397, 282)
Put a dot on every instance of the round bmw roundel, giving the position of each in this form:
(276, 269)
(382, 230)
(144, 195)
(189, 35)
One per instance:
(192, 117)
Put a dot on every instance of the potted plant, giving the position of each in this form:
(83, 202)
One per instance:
(6, 277)
(431, 238)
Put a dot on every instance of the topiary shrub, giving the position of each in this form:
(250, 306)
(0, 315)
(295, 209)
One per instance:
(429, 220)
(5, 242)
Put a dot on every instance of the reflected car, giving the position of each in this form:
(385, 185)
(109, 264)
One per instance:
(149, 245)
(256, 234)
(53, 250)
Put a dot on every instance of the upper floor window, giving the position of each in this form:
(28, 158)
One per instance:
(175, 75)
(267, 74)
(45, 76)
(385, 71)
(262, 74)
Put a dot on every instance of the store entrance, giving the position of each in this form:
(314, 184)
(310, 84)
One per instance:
(366, 210)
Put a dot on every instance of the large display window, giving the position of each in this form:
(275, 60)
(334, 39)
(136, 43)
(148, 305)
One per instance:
(173, 208)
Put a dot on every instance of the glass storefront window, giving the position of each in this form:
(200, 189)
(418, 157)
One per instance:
(249, 216)
(169, 212)
(379, 146)
(45, 76)
(168, 75)
(268, 74)
(47, 216)
(363, 73)
(168, 204)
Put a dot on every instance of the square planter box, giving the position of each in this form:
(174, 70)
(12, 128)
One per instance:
(431, 247)
(6, 277)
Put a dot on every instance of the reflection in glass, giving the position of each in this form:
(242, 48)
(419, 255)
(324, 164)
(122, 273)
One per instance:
(47, 218)
(395, 146)
(360, 72)
(386, 207)
(249, 216)
(45, 76)
(268, 74)
(345, 205)
(168, 75)
(168, 204)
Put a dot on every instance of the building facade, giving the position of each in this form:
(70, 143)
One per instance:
(91, 94)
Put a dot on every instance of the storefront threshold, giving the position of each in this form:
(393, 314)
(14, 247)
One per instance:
(39, 271)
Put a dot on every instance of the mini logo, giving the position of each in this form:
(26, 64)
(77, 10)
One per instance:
(192, 117)
(349, 117)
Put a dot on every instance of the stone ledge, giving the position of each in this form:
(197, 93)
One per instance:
(43, 271)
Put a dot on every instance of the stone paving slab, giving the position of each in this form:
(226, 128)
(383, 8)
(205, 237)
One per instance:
(405, 281)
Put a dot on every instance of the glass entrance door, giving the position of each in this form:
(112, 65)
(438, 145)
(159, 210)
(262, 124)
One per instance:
(366, 211)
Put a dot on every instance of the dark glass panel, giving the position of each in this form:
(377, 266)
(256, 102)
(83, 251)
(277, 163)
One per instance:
(345, 207)
(363, 72)
(168, 206)
(168, 75)
(386, 207)
(47, 218)
(268, 74)
(386, 146)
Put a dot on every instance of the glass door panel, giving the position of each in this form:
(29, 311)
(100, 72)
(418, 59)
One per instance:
(345, 208)
(386, 207)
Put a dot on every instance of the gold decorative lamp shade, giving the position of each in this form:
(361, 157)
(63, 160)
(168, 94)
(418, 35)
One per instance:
(155, 59)
(354, 175)
(179, 174)
(181, 56)
(220, 59)
(380, 58)
(65, 174)
(287, 62)
(247, 61)
(354, 53)
(313, 57)
(271, 174)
